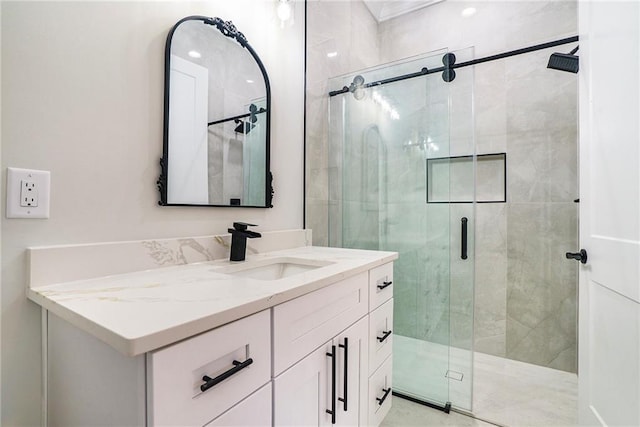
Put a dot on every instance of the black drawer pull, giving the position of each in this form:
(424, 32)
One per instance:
(385, 335)
(237, 367)
(385, 284)
(332, 411)
(384, 396)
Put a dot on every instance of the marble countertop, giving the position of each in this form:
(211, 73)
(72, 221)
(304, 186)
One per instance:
(142, 311)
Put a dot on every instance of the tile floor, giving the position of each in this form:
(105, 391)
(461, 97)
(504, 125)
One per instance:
(514, 393)
(408, 414)
(505, 392)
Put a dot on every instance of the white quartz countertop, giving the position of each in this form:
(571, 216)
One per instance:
(146, 310)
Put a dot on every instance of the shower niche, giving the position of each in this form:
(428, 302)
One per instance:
(467, 179)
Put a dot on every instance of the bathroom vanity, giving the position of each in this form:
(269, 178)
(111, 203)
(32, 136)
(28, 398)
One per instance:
(292, 336)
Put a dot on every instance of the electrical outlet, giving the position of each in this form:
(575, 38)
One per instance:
(27, 193)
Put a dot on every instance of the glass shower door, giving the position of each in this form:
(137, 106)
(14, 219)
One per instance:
(390, 188)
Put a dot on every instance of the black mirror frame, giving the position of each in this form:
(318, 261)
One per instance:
(229, 30)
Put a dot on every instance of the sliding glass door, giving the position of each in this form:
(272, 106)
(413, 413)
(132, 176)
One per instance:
(402, 178)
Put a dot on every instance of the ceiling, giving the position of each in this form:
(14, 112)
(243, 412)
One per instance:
(384, 10)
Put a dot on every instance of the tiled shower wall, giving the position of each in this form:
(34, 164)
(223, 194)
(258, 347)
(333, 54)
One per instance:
(525, 291)
(347, 29)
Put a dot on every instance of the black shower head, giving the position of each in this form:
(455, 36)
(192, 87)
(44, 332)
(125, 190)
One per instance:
(564, 62)
(243, 127)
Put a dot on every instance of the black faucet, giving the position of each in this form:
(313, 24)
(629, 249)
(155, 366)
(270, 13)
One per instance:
(239, 236)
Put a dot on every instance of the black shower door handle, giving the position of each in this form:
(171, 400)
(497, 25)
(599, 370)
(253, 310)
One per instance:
(463, 244)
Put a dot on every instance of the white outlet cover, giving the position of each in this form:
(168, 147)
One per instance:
(42, 179)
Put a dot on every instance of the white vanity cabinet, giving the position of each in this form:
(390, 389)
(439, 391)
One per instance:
(323, 358)
(89, 383)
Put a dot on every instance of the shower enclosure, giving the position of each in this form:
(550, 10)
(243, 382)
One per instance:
(402, 170)
(397, 157)
(414, 168)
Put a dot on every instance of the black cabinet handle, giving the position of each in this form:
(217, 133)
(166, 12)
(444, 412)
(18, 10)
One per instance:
(332, 411)
(385, 284)
(384, 396)
(464, 220)
(345, 390)
(237, 367)
(385, 335)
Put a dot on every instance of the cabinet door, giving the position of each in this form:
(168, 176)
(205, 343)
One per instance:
(302, 393)
(352, 374)
(253, 411)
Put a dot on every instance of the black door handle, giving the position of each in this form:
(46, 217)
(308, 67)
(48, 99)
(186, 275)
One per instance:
(578, 256)
(464, 220)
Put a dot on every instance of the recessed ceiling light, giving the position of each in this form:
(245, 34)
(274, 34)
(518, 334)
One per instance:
(469, 11)
(332, 54)
(194, 54)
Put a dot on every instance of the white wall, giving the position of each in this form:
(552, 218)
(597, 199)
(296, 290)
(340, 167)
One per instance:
(82, 86)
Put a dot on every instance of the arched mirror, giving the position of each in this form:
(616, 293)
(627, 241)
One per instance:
(216, 118)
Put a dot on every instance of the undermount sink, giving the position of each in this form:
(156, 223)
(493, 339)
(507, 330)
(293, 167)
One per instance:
(274, 269)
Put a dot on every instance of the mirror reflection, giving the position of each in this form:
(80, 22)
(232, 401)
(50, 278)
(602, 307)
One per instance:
(217, 99)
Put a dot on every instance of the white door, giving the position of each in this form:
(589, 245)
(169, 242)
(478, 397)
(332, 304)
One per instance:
(609, 341)
(188, 173)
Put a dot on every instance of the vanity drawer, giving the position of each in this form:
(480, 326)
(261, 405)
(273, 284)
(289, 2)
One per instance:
(380, 285)
(380, 393)
(380, 334)
(237, 358)
(305, 323)
(254, 411)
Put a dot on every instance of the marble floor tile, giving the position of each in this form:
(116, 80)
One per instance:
(513, 393)
(408, 414)
(505, 392)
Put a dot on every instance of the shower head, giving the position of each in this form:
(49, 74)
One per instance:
(564, 62)
(243, 127)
